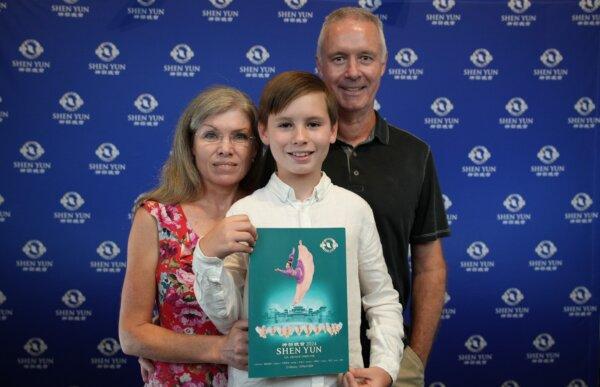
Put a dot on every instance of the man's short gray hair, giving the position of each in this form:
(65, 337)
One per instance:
(355, 13)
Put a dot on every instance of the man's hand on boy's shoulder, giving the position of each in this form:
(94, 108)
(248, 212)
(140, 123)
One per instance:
(372, 376)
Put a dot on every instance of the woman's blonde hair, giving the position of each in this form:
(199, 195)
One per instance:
(180, 180)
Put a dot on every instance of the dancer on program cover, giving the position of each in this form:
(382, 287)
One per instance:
(303, 272)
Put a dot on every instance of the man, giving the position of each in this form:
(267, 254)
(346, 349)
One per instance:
(392, 170)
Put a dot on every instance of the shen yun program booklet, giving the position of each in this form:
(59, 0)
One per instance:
(298, 309)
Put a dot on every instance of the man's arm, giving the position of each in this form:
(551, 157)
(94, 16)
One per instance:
(428, 289)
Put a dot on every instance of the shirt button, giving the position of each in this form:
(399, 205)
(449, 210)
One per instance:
(355, 172)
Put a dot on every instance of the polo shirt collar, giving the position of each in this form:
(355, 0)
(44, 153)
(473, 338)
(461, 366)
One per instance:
(381, 131)
(286, 194)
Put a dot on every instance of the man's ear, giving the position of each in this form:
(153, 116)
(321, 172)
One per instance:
(334, 131)
(262, 132)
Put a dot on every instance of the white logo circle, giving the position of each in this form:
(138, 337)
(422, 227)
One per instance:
(370, 5)
(376, 105)
(146, 103)
(447, 298)
(580, 295)
(329, 245)
(2, 298)
(447, 202)
(108, 250)
(221, 3)
(182, 53)
(512, 296)
(481, 57)
(71, 101)
(146, 3)
(543, 342)
(107, 51)
(577, 382)
(479, 155)
(519, 6)
(107, 152)
(406, 57)
(516, 106)
(35, 346)
(548, 154)
(478, 250)
(546, 249)
(551, 57)
(581, 201)
(295, 4)
(510, 383)
(442, 106)
(73, 298)
(584, 106)
(31, 49)
(589, 6)
(475, 343)
(72, 201)
(257, 55)
(32, 150)
(443, 5)
(1, 199)
(108, 346)
(514, 202)
(34, 249)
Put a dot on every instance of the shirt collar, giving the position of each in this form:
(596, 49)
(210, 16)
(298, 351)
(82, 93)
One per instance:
(285, 193)
(381, 131)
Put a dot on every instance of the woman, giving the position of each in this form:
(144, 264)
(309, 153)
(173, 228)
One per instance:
(209, 168)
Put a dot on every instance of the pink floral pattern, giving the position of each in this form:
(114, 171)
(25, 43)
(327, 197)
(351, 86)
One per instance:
(177, 306)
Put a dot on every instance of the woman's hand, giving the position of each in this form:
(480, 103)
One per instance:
(234, 351)
(372, 376)
(234, 234)
(146, 368)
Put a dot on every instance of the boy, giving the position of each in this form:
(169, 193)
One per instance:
(298, 121)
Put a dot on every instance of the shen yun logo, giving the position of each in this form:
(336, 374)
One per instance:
(406, 58)
(219, 13)
(73, 299)
(588, 18)
(145, 103)
(580, 296)
(545, 250)
(34, 250)
(107, 152)
(477, 250)
(182, 54)
(70, 10)
(329, 245)
(146, 11)
(32, 151)
(481, 58)
(370, 5)
(584, 108)
(441, 106)
(514, 203)
(475, 344)
(581, 202)
(551, 58)
(107, 52)
(443, 18)
(516, 107)
(295, 15)
(31, 50)
(479, 155)
(108, 251)
(72, 201)
(71, 102)
(543, 343)
(519, 6)
(447, 204)
(517, 17)
(548, 154)
(108, 347)
(257, 55)
(447, 312)
(512, 297)
(35, 347)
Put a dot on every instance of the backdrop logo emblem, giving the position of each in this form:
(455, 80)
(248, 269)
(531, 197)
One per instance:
(577, 382)
(478, 250)
(582, 201)
(1, 200)
(221, 3)
(510, 383)
(31, 49)
(514, 202)
(519, 6)
(72, 201)
(450, 217)
(107, 51)
(546, 249)
(512, 297)
(329, 245)
(32, 150)
(444, 5)
(589, 6)
(580, 295)
(107, 152)
(109, 346)
(516, 106)
(543, 342)
(146, 3)
(447, 202)
(548, 154)
(475, 343)
(108, 250)
(73, 298)
(370, 5)
(2, 298)
(479, 155)
(406, 57)
(146, 103)
(35, 346)
(447, 312)
(34, 249)
(551, 57)
(442, 106)
(182, 53)
(584, 106)
(71, 101)
(481, 57)
(257, 55)
(295, 4)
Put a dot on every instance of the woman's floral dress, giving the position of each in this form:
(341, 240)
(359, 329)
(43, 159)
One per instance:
(177, 306)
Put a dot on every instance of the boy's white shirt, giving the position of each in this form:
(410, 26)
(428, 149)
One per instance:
(219, 291)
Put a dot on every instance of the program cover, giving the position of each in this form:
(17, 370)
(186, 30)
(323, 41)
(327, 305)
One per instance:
(298, 310)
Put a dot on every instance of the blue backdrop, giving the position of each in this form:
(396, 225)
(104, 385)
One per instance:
(506, 93)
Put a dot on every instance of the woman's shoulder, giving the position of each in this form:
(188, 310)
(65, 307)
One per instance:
(165, 214)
